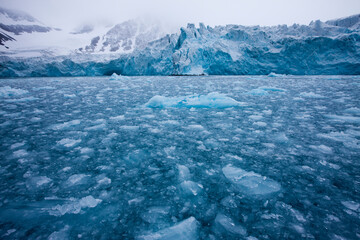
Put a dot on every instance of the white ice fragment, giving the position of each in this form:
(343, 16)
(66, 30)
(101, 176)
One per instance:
(65, 125)
(130, 128)
(353, 110)
(37, 182)
(227, 226)
(86, 150)
(74, 206)
(20, 153)
(260, 124)
(118, 118)
(115, 76)
(184, 230)
(195, 127)
(7, 91)
(271, 89)
(191, 188)
(19, 100)
(349, 119)
(89, 202)
(311, 95)
(77, 179)
(155, 214)
(250, 183)
(322, 148)
(184, 173)
(258, 92)
(68, 142)
(281, 138)
(60, 235)
(211, 100)
(351, 205)
(96, 127)
(256, 117)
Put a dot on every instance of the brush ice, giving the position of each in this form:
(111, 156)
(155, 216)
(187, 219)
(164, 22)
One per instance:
(278, 168)
(211, 100)
(250, 183)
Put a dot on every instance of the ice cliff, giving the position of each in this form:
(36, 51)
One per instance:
(331, 47)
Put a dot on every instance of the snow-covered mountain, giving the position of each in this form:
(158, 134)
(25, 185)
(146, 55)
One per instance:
(125, 37)
(22, 35)
(14, 22)
(331, 47)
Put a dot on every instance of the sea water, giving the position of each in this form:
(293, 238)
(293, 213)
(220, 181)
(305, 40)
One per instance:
(212, 157)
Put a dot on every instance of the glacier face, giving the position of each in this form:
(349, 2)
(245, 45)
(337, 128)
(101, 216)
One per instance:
(330, 47)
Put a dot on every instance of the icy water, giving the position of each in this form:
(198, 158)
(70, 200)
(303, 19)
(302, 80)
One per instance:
(180, 158)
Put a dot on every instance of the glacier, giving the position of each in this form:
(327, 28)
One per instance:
(320, 48)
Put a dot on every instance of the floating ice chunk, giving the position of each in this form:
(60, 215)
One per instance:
(347, 139)
(184, 230)
(224, 225)
(170, 122)
(60, 235)
(272, 74)
(65, 125)
(211, 100)
(184, 173)
(89, 202)
(353, 110)
(351, 205)
(102, 180)
(96, 127)
(25, 99)
(272, 89)
(86, 150)
(77, 179)
(191, 188)
(349, 119)
(37, 182)
(68, 142)
(281, 138)
(20, 153)
(130, 128)
(42, 88)
(196, 127)
(258, 92)
(322, 148)
(118, 118)
(9, 232)
(311, 95)
(255, 117)
(155, 214)
(74, 206)
(260, 124)
(114, 76)
(7, 91)
(250, 183)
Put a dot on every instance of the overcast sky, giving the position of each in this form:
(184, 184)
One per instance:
(68, 14)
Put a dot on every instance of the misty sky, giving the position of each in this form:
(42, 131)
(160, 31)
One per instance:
(68, 14)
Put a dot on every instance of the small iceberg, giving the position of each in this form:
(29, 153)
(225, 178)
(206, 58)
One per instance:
(114, 76)
(272, 74)
(211, 100)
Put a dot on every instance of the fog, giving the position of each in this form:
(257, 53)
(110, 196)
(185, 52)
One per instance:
(69, 14)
